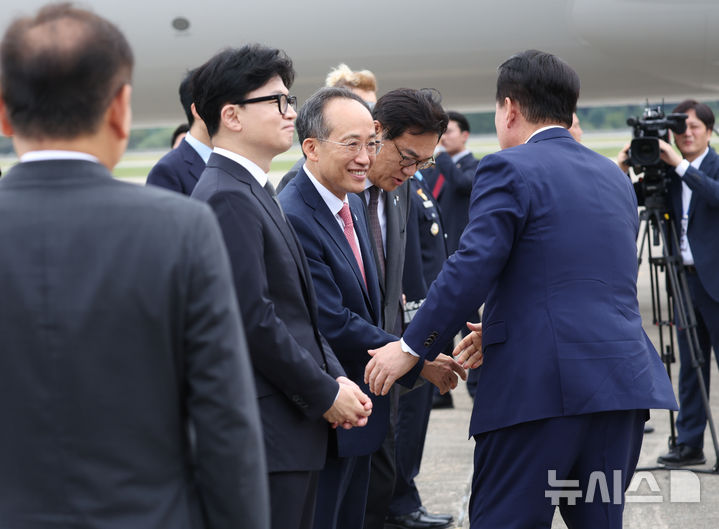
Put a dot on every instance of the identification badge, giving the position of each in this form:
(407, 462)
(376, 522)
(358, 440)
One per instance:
(427, 204)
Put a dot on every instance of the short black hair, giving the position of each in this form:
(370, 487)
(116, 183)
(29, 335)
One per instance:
(460, 119)
(311, 122)
(545, 87)
(61, 70)
(233, 73)
(185, 92)
(409, 110)
(703, 112)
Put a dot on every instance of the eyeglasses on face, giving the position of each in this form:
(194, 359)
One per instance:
(283, 101)
(354, 147)
(409, 162)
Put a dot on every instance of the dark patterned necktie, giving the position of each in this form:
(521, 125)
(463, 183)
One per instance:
(375, 227)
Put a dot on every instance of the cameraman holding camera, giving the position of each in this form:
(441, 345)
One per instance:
(694, 195)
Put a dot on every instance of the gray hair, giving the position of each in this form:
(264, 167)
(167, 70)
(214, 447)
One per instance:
(311, 121)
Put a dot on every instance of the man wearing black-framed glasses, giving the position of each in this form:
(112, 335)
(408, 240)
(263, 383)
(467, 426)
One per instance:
(243, 97)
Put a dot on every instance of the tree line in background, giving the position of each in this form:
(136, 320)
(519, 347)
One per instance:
(609, 118)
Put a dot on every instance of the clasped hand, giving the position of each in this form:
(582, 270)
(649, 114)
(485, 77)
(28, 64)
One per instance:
(351, 407)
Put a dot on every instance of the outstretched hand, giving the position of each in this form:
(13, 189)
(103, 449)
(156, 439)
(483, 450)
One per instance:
(442, 372)
(388, 363)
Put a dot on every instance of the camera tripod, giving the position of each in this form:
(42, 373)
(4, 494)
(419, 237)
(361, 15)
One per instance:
(680, 310)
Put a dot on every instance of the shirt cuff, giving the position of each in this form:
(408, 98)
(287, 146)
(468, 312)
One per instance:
(681, 169)
(406, 348)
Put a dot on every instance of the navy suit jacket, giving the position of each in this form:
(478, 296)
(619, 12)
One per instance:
(703, 218)
(350, 312)
(550, 249)
(454, 194)
(294, 368)
(178, 170)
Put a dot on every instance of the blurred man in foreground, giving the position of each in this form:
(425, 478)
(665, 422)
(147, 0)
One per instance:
(117, 339)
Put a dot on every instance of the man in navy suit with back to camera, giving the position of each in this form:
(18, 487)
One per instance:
(694, 194)
(567, 372)
(180, 169)
(126, 394)
(243, 96)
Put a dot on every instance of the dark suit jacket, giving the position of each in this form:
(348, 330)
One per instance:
(179, 170)
(703, 218)
(119, 328)
(454, 194)
(396, 210)
(294, 368)
(551, 247)
(350, 313)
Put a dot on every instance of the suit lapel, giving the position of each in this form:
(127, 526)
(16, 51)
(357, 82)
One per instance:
(271, 208)
(706, 167)
(393, 211)
(194, 161)
(329, 224)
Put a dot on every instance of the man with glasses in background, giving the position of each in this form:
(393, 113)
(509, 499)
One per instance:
(409, 123)
(242, 96)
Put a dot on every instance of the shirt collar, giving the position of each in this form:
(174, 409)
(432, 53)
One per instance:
(248, 164)
(543, 129)
(41, 156)
(457, 157)
(203, 150)
(698, 160)
(333, 202)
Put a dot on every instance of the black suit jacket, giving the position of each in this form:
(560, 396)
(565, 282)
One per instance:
(294, 368)
(396, 210)
(119, 332)
(178, 170)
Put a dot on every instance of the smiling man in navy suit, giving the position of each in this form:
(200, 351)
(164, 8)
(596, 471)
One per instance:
(340, 143)
(568, 372)
(243, 96)
(180, 169)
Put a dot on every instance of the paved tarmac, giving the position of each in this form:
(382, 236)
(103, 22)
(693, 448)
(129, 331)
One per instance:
(657, 499)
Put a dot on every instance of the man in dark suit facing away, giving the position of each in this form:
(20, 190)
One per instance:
(120, 331)
(243, 96)
(180, 169)
(568, 372)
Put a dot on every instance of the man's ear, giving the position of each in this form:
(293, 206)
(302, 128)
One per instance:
(378, 129)
(230, 118)
(119, 114)
(5, 120)
(309, 147)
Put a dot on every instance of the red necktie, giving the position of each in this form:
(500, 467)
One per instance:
(346, 217)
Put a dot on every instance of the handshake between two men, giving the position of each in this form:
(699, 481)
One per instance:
(390, 362)
(353, 408)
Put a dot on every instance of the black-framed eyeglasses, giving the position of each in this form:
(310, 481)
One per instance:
(283, 101)
(409, 162)
(354, 147)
